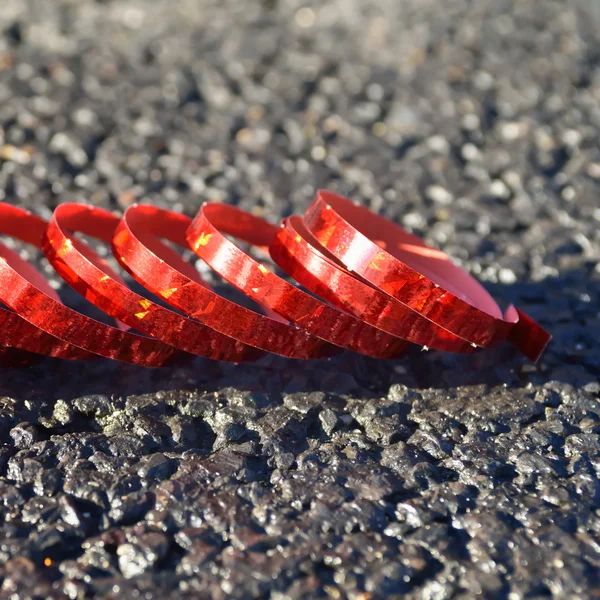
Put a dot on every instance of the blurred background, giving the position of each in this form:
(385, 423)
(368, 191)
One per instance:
(477, 117)
(473, 123)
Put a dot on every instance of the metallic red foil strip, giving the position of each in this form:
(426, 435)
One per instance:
(205, 236)
(46, 313)
(300, 255)
(422, 278)
(383, 287)
(80, 268)
(17, 332)
(137, 244)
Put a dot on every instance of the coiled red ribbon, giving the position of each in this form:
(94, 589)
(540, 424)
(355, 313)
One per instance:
(371, 287)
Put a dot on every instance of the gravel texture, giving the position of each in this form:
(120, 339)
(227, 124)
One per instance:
(473, 123)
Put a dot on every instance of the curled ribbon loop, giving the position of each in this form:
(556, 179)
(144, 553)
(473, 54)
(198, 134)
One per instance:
(19, 282)
(26, 294)
(205, 236)
(137, 244)
(298, 253)
(420, 277)
(106, 290)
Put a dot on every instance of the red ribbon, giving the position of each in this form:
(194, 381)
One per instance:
(137, 244)
(371, 287)
(420, 277)
(99, 284)
(262, 285)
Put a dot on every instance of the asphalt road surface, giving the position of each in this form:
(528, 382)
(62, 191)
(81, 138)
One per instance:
(475, 124)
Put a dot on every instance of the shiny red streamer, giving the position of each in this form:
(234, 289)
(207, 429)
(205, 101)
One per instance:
(369, 286)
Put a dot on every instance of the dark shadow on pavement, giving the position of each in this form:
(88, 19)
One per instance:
(566, 306)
